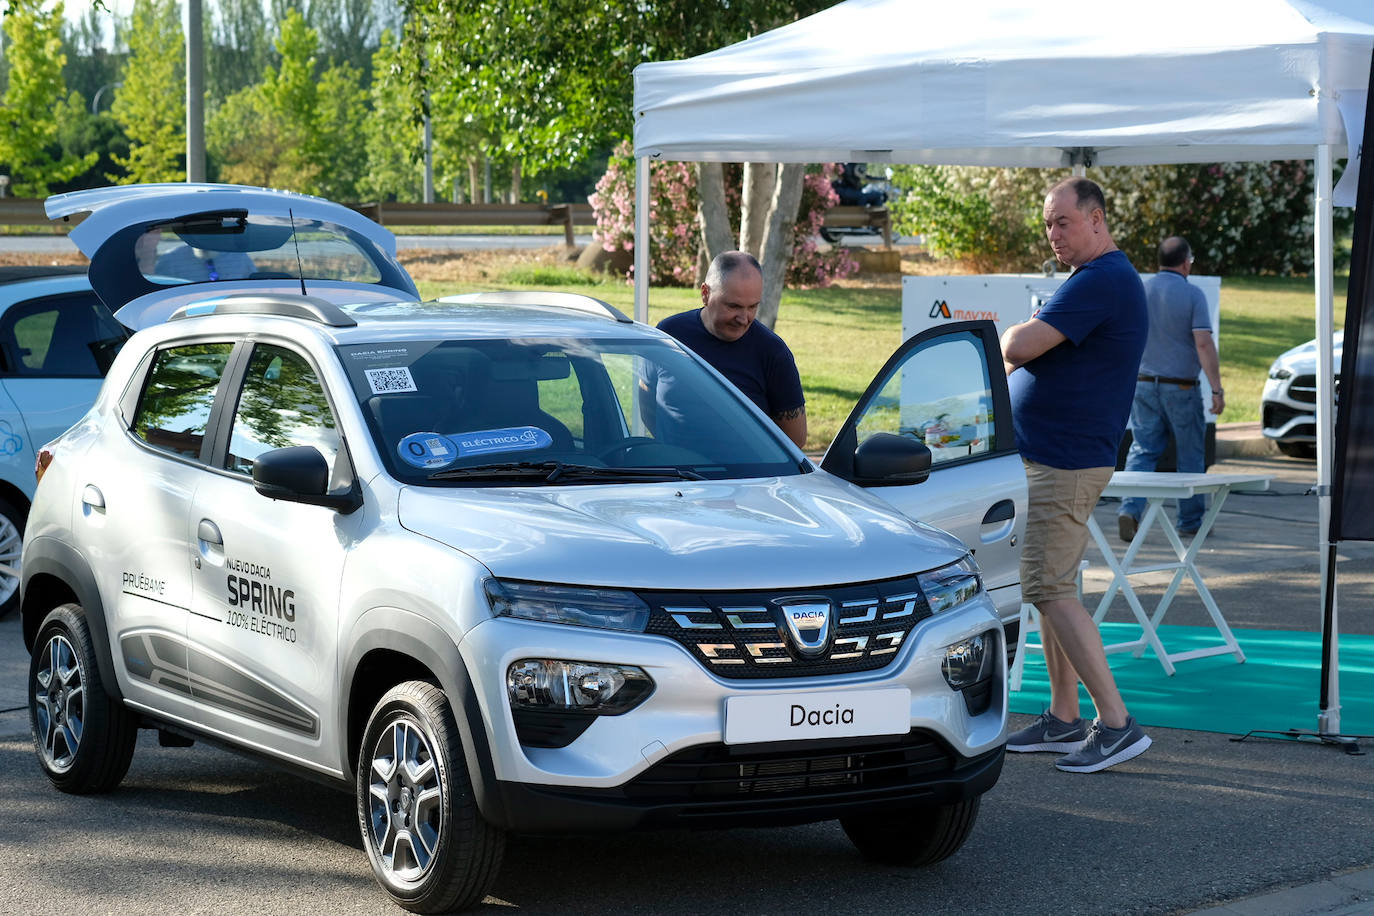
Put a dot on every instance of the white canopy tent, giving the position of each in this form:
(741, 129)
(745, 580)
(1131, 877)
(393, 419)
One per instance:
(1003, 82)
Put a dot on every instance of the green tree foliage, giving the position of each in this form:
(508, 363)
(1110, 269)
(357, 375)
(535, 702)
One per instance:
(550, 96)
(90, 66)
(393, 140)
(151, 104)
(1240, 217)
(29, 150)
(239, 48)
(299, 128)
(987, 218)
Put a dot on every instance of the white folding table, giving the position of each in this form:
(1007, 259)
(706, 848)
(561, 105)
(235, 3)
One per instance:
(1156, 487)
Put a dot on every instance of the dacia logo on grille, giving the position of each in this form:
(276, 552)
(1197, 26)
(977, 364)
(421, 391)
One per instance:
(807, 624)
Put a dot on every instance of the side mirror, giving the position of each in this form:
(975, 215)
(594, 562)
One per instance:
(886, 460)
(300, 474)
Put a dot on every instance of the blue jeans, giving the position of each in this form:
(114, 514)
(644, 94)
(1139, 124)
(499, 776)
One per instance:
(1161, 407)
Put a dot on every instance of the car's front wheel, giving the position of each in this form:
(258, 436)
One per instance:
(11, 543)
(915, 836)
(83, 736)
(1291, 449)
(428, 844)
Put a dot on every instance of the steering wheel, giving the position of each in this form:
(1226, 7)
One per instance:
(623, 445)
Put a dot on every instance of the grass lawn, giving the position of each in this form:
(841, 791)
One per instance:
(842, 335)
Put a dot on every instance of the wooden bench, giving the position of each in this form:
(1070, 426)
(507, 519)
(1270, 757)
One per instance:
(395, 213)
(854, 217)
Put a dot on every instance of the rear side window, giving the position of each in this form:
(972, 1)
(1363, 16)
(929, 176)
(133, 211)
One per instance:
(174, 407)
(282, 404)
(72, 336)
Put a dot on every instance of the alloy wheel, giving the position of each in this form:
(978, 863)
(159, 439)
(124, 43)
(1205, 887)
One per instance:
(60, 703)
(406, 800)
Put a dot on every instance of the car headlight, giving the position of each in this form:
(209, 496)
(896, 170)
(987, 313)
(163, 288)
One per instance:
(1280, 373)
(952, 585)
(606, 608)
(557, 685)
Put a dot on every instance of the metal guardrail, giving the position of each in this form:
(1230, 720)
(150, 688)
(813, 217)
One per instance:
(396, 213)
(22, 211)
(28, 211)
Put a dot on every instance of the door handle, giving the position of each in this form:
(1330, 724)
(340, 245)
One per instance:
(1001, 511)
(208, 532)
(91, 496)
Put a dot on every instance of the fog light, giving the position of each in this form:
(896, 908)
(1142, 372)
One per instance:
(969, 661)
(562, 686)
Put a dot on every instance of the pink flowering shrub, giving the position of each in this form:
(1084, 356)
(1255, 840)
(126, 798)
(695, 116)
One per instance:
(674, 235)
(810, 266)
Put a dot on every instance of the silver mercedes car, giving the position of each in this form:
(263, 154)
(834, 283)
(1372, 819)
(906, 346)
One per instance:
(1288, 404)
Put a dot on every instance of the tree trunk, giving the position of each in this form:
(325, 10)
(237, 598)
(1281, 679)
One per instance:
(515, 182)
(474, 180)
(712, 215)
(777, 248)
(760, 185)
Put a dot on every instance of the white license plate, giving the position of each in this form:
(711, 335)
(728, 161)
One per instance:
(806, 716)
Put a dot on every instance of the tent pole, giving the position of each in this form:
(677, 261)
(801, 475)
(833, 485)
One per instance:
(642, 239)
(1329, 714)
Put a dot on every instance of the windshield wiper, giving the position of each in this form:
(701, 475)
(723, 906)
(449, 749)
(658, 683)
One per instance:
(558, 471)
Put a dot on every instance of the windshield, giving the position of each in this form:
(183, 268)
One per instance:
(555, 412)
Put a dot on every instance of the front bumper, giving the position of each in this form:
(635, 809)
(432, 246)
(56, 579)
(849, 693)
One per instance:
(618, 772)
(716, 785)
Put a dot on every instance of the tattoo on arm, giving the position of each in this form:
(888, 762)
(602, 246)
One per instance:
(790, 414)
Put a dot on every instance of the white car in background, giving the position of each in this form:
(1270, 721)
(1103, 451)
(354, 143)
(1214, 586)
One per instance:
(1288, 406)
(57, 341)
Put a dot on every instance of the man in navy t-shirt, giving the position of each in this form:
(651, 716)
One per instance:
(724, 333)
(1072, 372)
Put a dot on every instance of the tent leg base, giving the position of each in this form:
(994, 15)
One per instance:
(1351, 743)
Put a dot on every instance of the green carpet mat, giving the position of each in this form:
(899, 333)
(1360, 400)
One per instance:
(1276, 688)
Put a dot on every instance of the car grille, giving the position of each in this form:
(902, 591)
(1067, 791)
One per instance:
(742, 634)
(720, 773)
(1303, 388)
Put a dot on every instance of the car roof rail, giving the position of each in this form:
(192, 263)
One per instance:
(576, 301)
(310, 308)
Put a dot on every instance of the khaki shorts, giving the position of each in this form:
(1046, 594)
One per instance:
(1057, 528)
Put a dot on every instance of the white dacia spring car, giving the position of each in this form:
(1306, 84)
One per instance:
(508, 561)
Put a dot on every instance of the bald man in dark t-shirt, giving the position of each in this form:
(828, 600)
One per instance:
(724, 333)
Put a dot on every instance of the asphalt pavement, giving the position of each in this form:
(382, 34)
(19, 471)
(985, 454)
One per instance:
(1198, 823)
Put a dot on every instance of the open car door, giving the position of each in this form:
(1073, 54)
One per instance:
(946, 387)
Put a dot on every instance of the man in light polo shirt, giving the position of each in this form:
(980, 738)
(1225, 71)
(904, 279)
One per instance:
(1168, 398)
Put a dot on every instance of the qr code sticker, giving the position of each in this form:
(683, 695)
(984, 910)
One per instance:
(389, 381)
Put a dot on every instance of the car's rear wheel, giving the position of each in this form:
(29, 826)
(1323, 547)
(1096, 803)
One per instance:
(1291, 449)
(427, 842)
(915, 836)
(11, 543)
(84, 737)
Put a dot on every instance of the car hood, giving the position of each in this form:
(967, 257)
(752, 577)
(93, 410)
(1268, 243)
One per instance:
(116, 218)
(1302, 359)
(802, 531)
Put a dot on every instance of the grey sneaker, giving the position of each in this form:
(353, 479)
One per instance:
(1106, 747)
(1126, 527)
(1048, 733)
